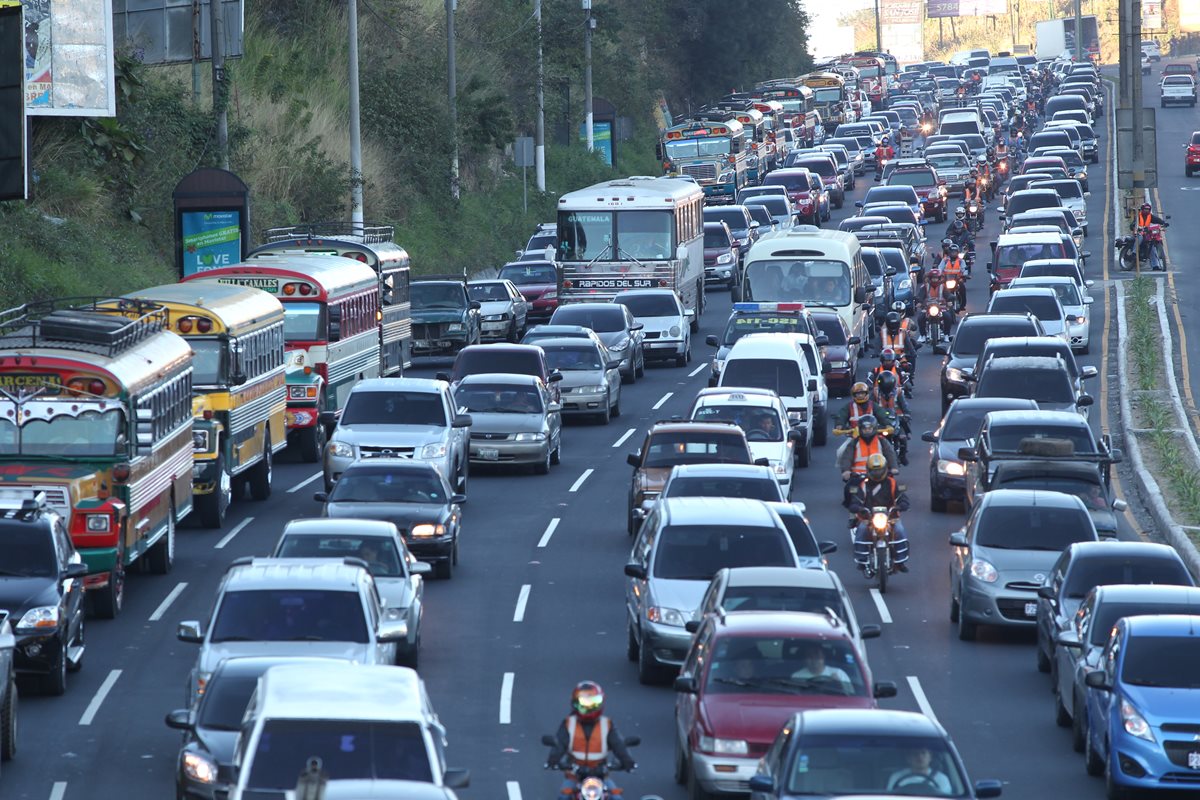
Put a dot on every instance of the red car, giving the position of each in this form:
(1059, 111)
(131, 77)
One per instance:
(930, 189)
(802, 190)
(746, 674)
(537, 281)
(1191, 161)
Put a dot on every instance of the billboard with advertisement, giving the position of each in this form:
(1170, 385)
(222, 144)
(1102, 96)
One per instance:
(211, 239)
(1152, 16)
(69, 58)
(899, 12)
(906, 42)
(602, 139)
(982, 8)
(935, 9)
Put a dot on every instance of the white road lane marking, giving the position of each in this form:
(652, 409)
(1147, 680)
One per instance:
(697, 370)
(514, 790)
(93, 707)
(227, 538)
(58, 790)
(624, 436)
(522, 601)
(545, 540)
(304, 483)
(506, 690)
(662, 401)
(166, 603)
(579, 481)
(922, 701)
(884, 614)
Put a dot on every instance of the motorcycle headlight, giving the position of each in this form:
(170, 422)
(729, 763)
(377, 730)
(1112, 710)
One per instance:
(199, 767)
(725, 258)
(40, 618)
(531, 437)
(455, 327)
(725, 747)
(983, 571)
(666, 616)
(341, 450)
(435, 450)
(935, 310)
(591, 789)
(427, 529)
(947, 467)
(879, 521)
(1134, 723)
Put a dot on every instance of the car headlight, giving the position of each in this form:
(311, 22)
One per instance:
(727, 747)
(725, 258)
(98, 523)
(666, 616)
(954, 374)
(779, 467)
(495, 317)
(948, 467)
(674, 330)
(199, 767)
(454, 327)
(595, 388)
(983, 571)
(550, 295)
(1080, 320)
(341, 450)
(726, 176)
(1079, 214)
(427, 529)
(905, 284)
(1135, 724)
(435, 450)
(839, 364)
(40, 618)
(531, 437)
(619, 346)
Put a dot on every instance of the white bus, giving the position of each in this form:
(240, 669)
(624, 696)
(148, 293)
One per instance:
(632, 233)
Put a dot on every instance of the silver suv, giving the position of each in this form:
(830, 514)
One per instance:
(294, 607)
(401, 418)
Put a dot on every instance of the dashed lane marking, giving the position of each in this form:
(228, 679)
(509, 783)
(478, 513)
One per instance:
(624, 437)
(884, 614)
(304, 483)
(506, 691)
(579, 481)
(227, 538)
(545, 540)
(662, 401)
(914, 684)
(514, 790)
(93, 707)
(697, 370)
(58, 790)
(522, 601)
(166, 603)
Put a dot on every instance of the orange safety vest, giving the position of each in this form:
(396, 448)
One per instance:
(855, 413)
(953, 268)
(588, 751)
(896, 342)
(1144, 219)
(863, 451)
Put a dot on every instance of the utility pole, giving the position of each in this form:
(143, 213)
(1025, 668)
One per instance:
(878, 29)
(1079, 30)
(539, 143)
(1135, 94)
(588, 25)
(220, 99)
(356, 170)
(452, 90)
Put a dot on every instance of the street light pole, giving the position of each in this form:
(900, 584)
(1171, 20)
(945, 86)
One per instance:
(539, 143)
(220, 96)
(356, 170)
(878, 30)
(1078, 30)
(588, 24)
(452, 91)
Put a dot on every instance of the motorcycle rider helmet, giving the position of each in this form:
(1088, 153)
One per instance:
(886, 383)
(1146, 208)
(960, 213)
(888, 357)
(885, 140)
(958, 224)
(860, 392)
(587, 700)
(893, 322)
(974, 172)
(898, 307)
(991, 151)
(954, 250)
(877, 468)
(935, 274)
(868, 426)
(946, 243)
(981, 159)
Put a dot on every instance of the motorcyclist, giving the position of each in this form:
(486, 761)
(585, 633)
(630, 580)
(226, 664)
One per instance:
(883, 153)
(934, 288)
(860, 406)
(896, 336)
(986, 179)
(953, 269)
(1146, 216)
(879, 489)
(892, 362)
(957, 231)
(852, 457)
(586, 737)
(888, 396)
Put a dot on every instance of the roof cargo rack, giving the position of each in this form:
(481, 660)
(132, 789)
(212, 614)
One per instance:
(364, 232)
(82, 324)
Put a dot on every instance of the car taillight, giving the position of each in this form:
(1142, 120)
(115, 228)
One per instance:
(1193, 149)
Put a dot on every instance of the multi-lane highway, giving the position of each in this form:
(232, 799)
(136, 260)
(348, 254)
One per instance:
(537, 605)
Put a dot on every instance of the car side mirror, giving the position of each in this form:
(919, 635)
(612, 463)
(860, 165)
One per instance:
(391, 630)
(854, 340)
(860, 294)
(884, 689)
(712, 341)
(615, 364)
(237, 378)
(1088, 300)
(462, 421)
(870, 631)
(634, 460)
(929, 436)
(812, 384)
(475, 305)
(754, 225)
(321, 497)
(458, 499)
(1046, 592)
(689, 313)
(686, 684)
(637, 326)
(822, 340)
(988, 788)
(1096, 679)
(890, 271)
(762, 784)
(443, 376)
(1088, 372)
(420, 568)
(180, 719)
(1072, 318)
(1067, 638)
(794, 436)
(1084, 401)
(189, 632)
(75, 571)
(554, 408)
(826, 548)
(456, 778)
(1085, 255)
(969, 454)
(635, 571)
(692, 625)
(556, 376)
(958, 539)
(762, 462)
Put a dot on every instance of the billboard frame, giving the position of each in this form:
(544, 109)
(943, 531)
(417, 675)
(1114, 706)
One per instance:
(110, 107)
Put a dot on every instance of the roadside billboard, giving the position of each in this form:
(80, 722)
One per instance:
(69, 58)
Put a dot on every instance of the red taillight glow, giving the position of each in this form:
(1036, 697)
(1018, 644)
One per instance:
(185, 325)
(204, 325)
(358, 257)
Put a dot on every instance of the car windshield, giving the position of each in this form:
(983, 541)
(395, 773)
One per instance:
(379, 552)
(801, 535)
(911, 177)
(394, 408)
(821, 166)
(890, 194)
(760, 214)
(794, 182)
(963, 422)
(1051, 271)
(784, 665)
(715, 237)
(290, 615)
(1015, 438)
(498, 398)
(758, 423)
(438, 295)
(1089, 573)
(831, 326)
(657, 304)
(348, 750)
(374, 484)
(735, 219)
(540, 241)
(835, 765)
(1161, 661)
(1009, 256)
(223, 704)
(529, 274)
(207, 357)
(1039, 385)
(779, 375)
(696, 552)
(743, 324)
(601, 320)
(1042, 307)
(1068, 293)
(1025, 202)
(1091, 492)
(478, 360)
(584, 357)
(484, 292)
(816, 282)
(1064, 189)
(86, 434)
(783, 598)
(28, 552)
(1051, 528)
(766, 488)
(672, 449)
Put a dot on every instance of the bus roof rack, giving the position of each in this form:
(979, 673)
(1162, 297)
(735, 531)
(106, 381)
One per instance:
(711, 114)
(74, 323)
(363, 232)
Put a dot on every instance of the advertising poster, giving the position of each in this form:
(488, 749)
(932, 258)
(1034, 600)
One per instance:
(899, 12)
(941, 8)
(211, 239)
(69, 58)
(602, 139)
(1152, 18)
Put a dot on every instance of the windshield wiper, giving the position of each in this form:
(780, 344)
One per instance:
(309, 637)
(236, 639)
(630, 257)
(601, 254)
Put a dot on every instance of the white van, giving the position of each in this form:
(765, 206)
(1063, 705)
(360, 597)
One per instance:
(776, 361)
(958, 123)
(361, 721)
(819, 268)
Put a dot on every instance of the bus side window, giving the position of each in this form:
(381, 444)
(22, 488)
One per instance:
(335, 322)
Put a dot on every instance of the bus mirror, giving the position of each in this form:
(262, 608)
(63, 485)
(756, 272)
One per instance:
(658, 151)
(237, 377)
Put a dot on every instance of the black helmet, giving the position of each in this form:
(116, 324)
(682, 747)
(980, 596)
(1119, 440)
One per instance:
(954, 249)
(947, 242)
(886, 382)
(893, 320)
(868, 426)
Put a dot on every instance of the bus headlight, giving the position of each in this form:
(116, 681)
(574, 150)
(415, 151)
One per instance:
(98, 523)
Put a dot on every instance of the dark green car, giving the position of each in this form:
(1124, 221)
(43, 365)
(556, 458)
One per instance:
(444, 318)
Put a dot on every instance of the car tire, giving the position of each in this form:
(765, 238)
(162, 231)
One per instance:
(937, 504)
(821, 430)
(804, 456)
(55, 684)
(681, 360)
(650, 673)
(260, 475)
(605, 415)
(161, 557)
(616, 407)
(682, 767)
(954, 609)
(81, 642)
(1093, 764)
(464, 475)
(107, 603)
(543, 467)
(1043, 660)
(213, 507)
(1079, 733)
(640, 368)
(411, 658)
(631, 645)
(1086, 349)
(695, 790)
(1061, 718)
(1187, 171)
(556, 455)
(445, 569)
(967, 631)
(8, 723)
(311, 441)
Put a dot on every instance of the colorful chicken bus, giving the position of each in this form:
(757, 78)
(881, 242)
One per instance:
(772, 111)
(798, 107)
(239, 399)
(831, 98)
(711, 151)
(872, 77)
(331, 313)
(96, 417)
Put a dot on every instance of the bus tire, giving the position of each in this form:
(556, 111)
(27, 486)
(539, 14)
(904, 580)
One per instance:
(311, 441)
(260, 474)
(108, 602)
(161, 556)
(212, 506)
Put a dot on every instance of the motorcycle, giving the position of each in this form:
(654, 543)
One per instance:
(592, 782)
(974, 217)
(938, 322)
(1129, 254)
(879, 559)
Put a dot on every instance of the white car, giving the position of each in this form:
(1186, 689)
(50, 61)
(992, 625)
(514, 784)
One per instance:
(1178, 89)
(666, 323)
(1073, 198)
(1074, 303)
(762, 416)
(503, 310)
(1041, 302)
(1152, 51)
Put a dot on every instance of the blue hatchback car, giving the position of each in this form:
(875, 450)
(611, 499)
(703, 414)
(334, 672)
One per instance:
(1143, 706)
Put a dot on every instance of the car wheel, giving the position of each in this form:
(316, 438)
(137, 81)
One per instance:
(640, 371)
(81, 643)
(108, 602)
(55, 683)
(464, 474)
(616, 407)
(650, 673)
(954, 609)
(213, 506)
(556, 455)
(410, 659)
(161, 557)
(821, 430)
(445, 569)
(681, 765)
(543, 467)
(695, 790)
(937, 504)
(681, 360)
(312, 441)
(1187, 171)
(1061, 718)
(1043, 660)
(1112, 789)
(260, 473)
(1092, 762)
(606, 414)
(966, 630)
(1078, 722)
(631, 646)
(1087, 348)
(8, 724)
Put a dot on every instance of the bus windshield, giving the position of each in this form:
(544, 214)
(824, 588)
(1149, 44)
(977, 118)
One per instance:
(301, 322)
(693, 148)
(640, 235)
(831, 95)
(811, 281)
(92, 434)
(206, 363)
(865, 71)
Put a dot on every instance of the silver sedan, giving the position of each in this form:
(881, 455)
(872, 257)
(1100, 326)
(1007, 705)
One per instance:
(514, 420)
(591, 382)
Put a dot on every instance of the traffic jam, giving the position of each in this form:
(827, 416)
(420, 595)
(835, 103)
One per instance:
(777, 475)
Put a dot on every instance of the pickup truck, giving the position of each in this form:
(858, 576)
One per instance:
(1177, 89)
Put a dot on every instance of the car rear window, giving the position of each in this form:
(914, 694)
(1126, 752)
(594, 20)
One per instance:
(765, 488)
(1089, 573)
(1014, 255)
(1105, 616)
(529, 274)
(735, 219)
(1010, 438)
(970, 339)
(784, 665)
(776, 204)
(696, 552)
(350, 750)
(601, 320)
(779, 375)
(832, 328)
(489, 359)
(781, 598)
(290, 615)
(675, 448)
(1044, 308)
(1050, 528)
(1039, 385)
(912, 177)
(1165, 662)
(794, 182)
(378, 551)
(659, 304)
(821, 166)
(394, 408)
(714, 237)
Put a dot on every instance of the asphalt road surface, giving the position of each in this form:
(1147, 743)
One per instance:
(537, 605)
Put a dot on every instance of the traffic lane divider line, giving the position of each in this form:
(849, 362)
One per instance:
(522, 601)
(697, 370)
(1184, 365)
(624, 437)
(545, 540)
(227, 538)
(506, 691)
(914, 684)
(662, 401)
(93, 707)
(58, 790)
(579, 481)
(881, 606)
(166, 603)
(514, 790)
(304, 483)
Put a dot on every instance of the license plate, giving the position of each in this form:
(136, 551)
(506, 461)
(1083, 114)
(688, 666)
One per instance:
(1031, 609)
(1193, 760)
(488, 453)
(420, 343)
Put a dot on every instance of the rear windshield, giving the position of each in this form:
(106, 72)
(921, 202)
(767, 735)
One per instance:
(601, 320)
(766, 488)
(779, 375)
(394, 408)
(529, 274)
(1064, 189)
(583, 357)
(784, 666)
(487, 359)
(776, 204)
(656, 305)
(779, 598)
(1106, 615)
(696, 552)
(1092, 572)
(378, 551)
(736, 220)
(760, 423)
(349, 750)
(1039, 385)
(1014, 255)
(1162, 661)
(290, 615)
(760, 214)
(673, 449)
(1044, 308)
(1008, 438)
(821, 166)
(1026, 202)
(911, 177)
(970, 339)
(832, 328)
(792, 182)
(889, 194)
(1004, 527)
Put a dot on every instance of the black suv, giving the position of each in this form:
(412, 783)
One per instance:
(41, 586)
(444, 318)
(972, 334)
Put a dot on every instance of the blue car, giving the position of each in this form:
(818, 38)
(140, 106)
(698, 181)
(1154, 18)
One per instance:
(1143, 706)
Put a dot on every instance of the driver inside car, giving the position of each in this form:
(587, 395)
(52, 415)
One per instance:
(920, 776)
(815, 667)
